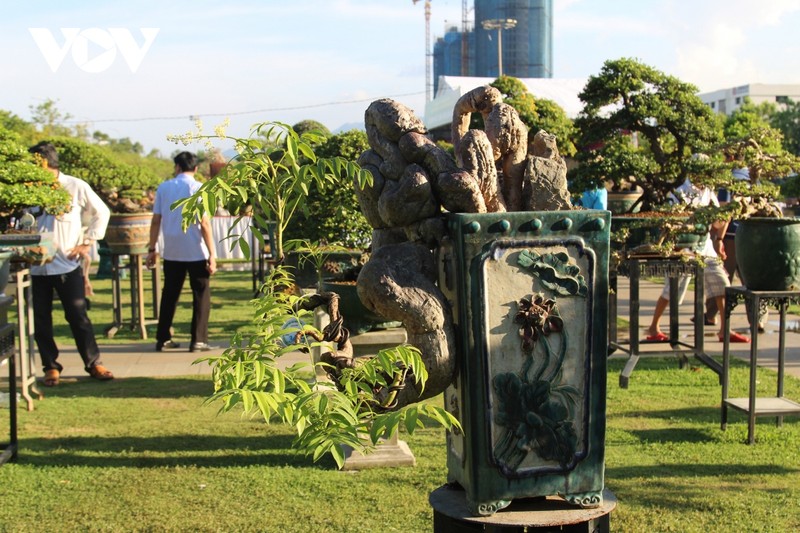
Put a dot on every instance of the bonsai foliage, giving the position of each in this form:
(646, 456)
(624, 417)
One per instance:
(273, 174)
(640, 127)
(331, 213)
(24, 183)
(124, 187)
(325, 416)
(271, 179)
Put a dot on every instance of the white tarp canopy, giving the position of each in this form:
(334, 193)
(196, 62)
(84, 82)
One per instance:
(563, 91)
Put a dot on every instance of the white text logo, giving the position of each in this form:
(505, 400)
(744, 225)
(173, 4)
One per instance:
(93, 49)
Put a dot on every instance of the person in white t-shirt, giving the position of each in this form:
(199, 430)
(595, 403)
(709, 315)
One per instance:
(184, 252)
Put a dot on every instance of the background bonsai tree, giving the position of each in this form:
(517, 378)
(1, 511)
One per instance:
(641, 127)
(331, 213)
(24, 183)
(125, 187)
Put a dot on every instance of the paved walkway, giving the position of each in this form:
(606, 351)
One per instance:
(138, 359)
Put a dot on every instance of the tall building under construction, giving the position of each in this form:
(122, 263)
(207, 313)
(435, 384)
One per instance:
(512, 36)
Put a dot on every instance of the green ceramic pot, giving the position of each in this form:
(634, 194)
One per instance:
(768, 253)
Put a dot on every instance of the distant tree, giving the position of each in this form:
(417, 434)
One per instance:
(23, 128)
(311, 125)
(49, 120)
(640, 126)
(786, 118)
(538, 113)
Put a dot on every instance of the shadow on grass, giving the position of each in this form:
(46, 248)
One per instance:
(207, 451)
(180, 387)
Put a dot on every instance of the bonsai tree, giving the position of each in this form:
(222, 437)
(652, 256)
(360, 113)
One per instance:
(125, 188)
(24, 183)
(273, 174)
(331, 213)
(641, 127)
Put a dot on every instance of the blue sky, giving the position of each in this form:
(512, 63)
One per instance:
(327, 59)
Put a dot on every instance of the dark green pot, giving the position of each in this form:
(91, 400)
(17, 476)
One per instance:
(620, 203)
(768, 253)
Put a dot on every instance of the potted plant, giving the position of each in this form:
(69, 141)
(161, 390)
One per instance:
(127, 189)
(272, 174)
(331, 215)
(24, 184)
(767, 244)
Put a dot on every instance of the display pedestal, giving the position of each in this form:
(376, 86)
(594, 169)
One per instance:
(451, 514)
(670, 268)
(753, 407)
(138, 322)
(20, 279)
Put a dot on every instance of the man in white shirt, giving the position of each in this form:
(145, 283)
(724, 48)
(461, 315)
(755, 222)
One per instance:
(64, 274)
(184, 252)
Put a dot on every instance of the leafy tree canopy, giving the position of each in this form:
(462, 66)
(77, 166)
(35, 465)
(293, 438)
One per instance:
(641, 127)
(538, 113)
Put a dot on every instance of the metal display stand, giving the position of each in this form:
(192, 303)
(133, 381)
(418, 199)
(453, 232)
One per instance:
(753, 407)
(20, 278)
(8, 450)
(671, 268)
(136, 276)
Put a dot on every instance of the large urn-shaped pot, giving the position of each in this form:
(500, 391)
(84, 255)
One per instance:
(768, 253)
(128, 233)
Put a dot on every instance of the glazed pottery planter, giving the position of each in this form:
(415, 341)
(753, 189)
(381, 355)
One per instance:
(530, 297)
(621, 202)
(128, 233)
(768, 253)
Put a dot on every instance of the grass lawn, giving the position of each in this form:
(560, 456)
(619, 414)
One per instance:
(145, 454)
(230, 312)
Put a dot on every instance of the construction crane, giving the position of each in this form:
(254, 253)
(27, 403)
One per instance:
(428, 53)
(464, 40)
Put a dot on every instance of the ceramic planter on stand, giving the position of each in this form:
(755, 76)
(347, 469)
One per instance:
(128, 233)
(768, 253)
(530, 294)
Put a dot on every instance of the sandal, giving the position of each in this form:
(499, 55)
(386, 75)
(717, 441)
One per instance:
(658, 337)
(51, 377)
(735, 337)
(100, 372)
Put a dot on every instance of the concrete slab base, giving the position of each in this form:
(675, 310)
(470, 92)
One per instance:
(388, 454)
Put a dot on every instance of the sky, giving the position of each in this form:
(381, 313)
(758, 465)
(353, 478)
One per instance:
(146, 69)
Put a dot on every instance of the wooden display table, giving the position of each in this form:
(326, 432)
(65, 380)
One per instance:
(8, 450)
(753, 407)
(20, 280)
(138, 322)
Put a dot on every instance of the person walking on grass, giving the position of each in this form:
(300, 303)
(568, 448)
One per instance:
(64, 275)
(184, 252)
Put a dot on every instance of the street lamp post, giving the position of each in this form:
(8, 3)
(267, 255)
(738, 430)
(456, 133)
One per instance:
(499, 25)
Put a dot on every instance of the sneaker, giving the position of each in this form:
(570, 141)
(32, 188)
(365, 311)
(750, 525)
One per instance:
(200, 347)
(167, 345)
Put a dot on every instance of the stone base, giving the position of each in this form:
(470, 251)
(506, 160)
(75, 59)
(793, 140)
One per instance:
(388, 454)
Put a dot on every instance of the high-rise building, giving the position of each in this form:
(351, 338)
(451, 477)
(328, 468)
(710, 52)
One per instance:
(527, 48)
